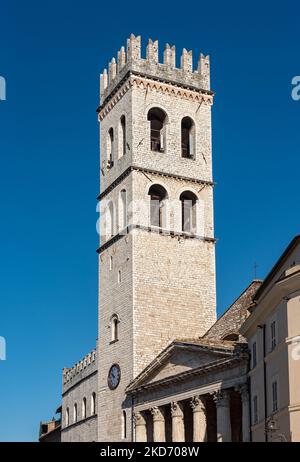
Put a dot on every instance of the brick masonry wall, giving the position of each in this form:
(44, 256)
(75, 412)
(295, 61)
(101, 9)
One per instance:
(167, 287)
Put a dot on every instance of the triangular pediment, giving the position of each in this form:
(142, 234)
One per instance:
(181, 357)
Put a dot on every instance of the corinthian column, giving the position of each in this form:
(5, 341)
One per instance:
(177, 423)
(199, 419)
(245, 412)
(158, 425)
(140, 427)
(222, 400)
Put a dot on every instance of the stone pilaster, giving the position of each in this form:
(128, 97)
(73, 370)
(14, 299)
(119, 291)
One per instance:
(222, 400)
(199, 419)
(159, 435)
(140, 427)
(244, 392)
(177, 423)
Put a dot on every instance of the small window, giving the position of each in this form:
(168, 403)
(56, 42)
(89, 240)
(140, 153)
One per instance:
(187, 138)
(274, 396)
(114, 325)
(157, 118)
(93, 404)
(122, 210)
(119, 277)
(84, 408)
(255, 410)
(75, 416)
(188, 212)
(158, 196)
(110, 148)
(254, 355)
(110, 263)
(67, 417)
(124, 426)
(110, 223)
(273, 335)
(123, 140)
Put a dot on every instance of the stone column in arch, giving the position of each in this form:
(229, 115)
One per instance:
(199, 419)
(178, 434)
(244, 392)
(222, 400)
(159, 435)
(140, 427)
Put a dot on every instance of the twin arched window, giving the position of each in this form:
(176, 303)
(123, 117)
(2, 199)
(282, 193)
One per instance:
(93, 404)
(110, 215)
(110, 148)
(158, 196)
(110, 143)
(67, 416)
(157, 118)
(187, 138)
(188, 212)
(75, 413)
(158, 121)
(158, 208)
(84, 408)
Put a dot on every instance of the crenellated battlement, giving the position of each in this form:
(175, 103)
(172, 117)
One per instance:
(150, 67)
(69, 373)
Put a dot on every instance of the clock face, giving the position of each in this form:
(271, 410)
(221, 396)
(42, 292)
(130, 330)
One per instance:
(114, 376)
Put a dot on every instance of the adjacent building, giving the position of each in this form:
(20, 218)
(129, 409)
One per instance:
(273, 334)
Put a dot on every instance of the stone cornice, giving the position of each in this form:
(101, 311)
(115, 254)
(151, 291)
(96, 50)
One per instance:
(144, 81)
(132, 168)
(162, 231)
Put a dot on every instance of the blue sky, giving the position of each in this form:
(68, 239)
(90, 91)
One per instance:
(51, 54)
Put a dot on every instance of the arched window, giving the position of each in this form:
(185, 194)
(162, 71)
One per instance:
(123, 140)
(110, 263)
(110, 148)
(114, 326)
(188, 211)
(93, 404)
(75, 413)
(124, 426)
(187, 138)
(158, 119)
(84, 408)
(119, 276)
(67, 416)
(122, 209)
(158, 196)
(110, 225)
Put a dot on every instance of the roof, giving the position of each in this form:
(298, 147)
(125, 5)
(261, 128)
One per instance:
(290, 248)
(233, 318)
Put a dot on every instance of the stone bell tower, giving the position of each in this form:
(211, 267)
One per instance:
(157, 247)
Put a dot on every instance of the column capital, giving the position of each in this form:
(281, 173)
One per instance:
(244, 391)
(176, 409)
(139, 419)
(157, 414)
(221, 398)
(197, 404)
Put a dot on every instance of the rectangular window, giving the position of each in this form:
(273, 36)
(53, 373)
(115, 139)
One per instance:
(255, 410)
(274, 396)
(273, 335)
(254, 355)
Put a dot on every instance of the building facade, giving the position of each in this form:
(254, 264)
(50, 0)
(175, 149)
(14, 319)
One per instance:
(273, 334)
(157, 249)
(79, 402)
